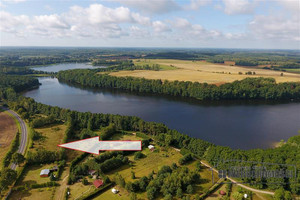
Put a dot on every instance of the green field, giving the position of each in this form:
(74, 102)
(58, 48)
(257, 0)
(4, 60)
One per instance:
(32, 175)
(51, 136)
(150, 62)
(34, 194)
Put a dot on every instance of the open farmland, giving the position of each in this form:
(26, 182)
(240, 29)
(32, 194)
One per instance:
(8, 131)
(200, 71)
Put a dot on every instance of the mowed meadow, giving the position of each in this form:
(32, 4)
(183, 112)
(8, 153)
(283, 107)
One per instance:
(203, 72)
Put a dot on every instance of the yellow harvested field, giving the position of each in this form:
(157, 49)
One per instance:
(200, 71)
(8, 130)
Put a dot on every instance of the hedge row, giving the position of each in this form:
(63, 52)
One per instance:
(35, 186)
(95, 192)
(13, 148)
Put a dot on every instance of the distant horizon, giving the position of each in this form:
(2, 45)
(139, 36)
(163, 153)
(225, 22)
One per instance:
(240, 24)
(141, 47)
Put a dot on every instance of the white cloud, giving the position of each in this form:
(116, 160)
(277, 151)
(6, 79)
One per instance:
(233, 7)
(181, 23)
(153, 7)
(291, 5)
(160, 27)
(10, 23)
(95, 20)
(196, 4)
(275, 27)
(14, 1)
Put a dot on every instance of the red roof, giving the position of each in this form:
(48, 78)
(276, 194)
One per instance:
(222, 192)
(98, 183)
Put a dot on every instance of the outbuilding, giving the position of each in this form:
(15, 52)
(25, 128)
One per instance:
(114, 190)
(151, 147)
(92, 172)
(222, 193)
(98, 183)
(45, 173)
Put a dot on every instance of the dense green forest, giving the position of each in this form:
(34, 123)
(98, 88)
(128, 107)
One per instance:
(82, 125)
(288, 153)
(249, 88)
(10, 84)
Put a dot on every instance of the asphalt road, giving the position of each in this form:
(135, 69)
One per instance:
(24, 135)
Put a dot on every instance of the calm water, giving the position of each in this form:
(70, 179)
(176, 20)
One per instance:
(238, 125)
(65, 66)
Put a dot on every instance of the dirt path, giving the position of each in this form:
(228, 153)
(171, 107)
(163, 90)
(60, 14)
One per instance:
(60, 192)
(239, 184)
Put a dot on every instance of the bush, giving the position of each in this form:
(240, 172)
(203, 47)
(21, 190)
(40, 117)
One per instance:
(185, 159)
(138, 155)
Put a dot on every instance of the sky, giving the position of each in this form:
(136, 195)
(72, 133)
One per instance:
(260, 24)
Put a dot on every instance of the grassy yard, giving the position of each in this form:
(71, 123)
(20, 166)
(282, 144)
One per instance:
(78, 189)
(52, 136)
(122, 195)
(153, 162)
(256, 196)
(34, 194)
(32, 175)
(216, 195)
(8, 129)
(201, 71)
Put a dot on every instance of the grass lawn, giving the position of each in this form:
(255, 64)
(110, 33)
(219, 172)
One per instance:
(52, 136)
(216, 195)
(153, 162)
(34, 194)
(32, 175)
(201, 71)
(122, 195)
(78, 189)
(256, 196)
(8, 129)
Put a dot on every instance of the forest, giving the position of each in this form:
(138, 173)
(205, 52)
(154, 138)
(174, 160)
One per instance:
(249, 88)
(25, 57)
(170, 180)
(287, 153)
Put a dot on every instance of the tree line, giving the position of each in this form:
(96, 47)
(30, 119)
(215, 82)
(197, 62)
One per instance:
(288, 153)
(248, 88)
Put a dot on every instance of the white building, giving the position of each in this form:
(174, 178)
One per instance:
(115, 191)
(151, 147)
(45, 173)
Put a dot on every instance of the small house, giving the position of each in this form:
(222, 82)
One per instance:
(151, 147)
(92, 172)
(114, 190)
(222, 193)
(98, 183)
(45, 173)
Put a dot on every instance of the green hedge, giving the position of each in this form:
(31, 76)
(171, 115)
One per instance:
(13, 148)
(35, 186)
(95, 192)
